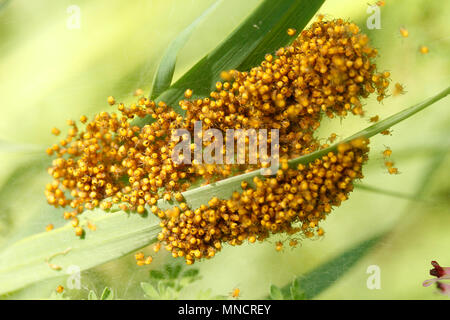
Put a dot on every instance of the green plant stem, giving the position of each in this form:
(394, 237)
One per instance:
(390, 193)
(376, 128)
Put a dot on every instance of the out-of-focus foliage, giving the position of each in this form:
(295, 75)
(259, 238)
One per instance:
(171, 283)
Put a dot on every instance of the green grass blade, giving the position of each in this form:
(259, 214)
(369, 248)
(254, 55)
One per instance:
(390, 193)
(429, 173)
(18, 178)
(313, 283)
(107, 294)
(296, 17)
(118, 233)
(262, 32)
(163, 77)
(275, 293)
(376, 128)
(12, 147)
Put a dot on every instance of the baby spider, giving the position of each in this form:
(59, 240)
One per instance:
(235, 293)
(387, 153)
(375, 118)
(424, 49)
(332, 137)
(398, 89)
(393, 170)
(279, 246)
(389, 164)
(404, 32)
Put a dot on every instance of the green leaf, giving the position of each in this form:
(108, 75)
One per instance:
(428, 174)
(190, 273)
(162, 287)
(395, 194)
(92, 295)
(156, 275)
(173, 270)
(163, 76)
(313, 283)
(119, 233)
(169, 294)
(13, 147)
(150, 291)
(296, 291)
(275, 293)
(297, 17)
(18, 178)
(262, 32)
(107, 294)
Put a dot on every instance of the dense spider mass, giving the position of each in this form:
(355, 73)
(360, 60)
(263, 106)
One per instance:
(327, 70)
(304, 194)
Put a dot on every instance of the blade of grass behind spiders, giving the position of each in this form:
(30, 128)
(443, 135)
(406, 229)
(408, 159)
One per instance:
(163, 76)
(312, 283)
(266, 25)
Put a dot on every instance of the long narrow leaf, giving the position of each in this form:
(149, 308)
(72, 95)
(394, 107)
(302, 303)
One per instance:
(296, 17)
(12, 147)
(262, 32)
(313, 283)
(19, 177)
(378, 127)
(390, 193)
(38, 257)
(163, 77)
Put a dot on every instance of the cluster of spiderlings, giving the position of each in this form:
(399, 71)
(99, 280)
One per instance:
(328, 69)
(142, 260)
(389, 163)
(295, 200)
(112, 159)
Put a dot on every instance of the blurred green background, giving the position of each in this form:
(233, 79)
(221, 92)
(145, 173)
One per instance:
(49, 73)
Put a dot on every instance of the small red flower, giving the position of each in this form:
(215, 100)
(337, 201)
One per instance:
(440, 273)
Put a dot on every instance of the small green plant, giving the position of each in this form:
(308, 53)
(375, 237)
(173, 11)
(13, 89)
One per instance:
(295, 292)
(169, 283)
(107, 294)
